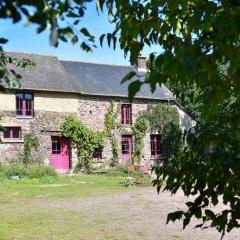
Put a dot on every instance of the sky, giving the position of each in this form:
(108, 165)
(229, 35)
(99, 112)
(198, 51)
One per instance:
(25, 39)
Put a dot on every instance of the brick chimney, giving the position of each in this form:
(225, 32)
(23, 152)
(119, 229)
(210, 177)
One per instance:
(140, 64)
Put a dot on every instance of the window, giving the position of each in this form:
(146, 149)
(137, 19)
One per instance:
(13, 133)
(127, 144)
(97, 154)
(126, 114)
(56, 146)
(125, 147)
(155, 145)
(24, 104)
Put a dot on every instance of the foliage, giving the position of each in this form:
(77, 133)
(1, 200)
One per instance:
(194, 38)
(115, 150)
(111, 125)
(62, 18)
(140, 128)
(118, 169)
(14, 170)
(160, 118)
(85, 140)
(31, 171)
(165, 119)
(30, 143)
(41, 171)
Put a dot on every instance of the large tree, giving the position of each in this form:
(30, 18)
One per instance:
(195, 38)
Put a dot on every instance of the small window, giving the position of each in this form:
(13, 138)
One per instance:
(24, 104)
(56, 146)
(97, 154)
(126, 114)
(155, 145)
(125, 147)
(12, 133)
(127, 144)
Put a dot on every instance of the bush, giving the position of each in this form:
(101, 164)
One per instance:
(14, 170)
(35, 171)
(119, 169)
(40, 171)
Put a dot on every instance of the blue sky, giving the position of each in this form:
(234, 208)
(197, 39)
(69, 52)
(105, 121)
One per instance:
(24, 39)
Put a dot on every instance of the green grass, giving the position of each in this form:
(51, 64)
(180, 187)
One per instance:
(22, 218)
(75, 207)
(61, 187)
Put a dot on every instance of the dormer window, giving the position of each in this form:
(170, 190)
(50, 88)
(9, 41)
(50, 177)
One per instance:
(24, 104)
(126, 114)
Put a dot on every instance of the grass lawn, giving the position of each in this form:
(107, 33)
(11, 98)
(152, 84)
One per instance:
(23, 214)
(89, 207)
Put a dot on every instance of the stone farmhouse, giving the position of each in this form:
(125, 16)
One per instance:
(54, 89)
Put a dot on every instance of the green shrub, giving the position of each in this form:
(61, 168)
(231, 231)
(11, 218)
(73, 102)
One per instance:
(119, 169)
(34, 171)
(14, 170)
(40, 171)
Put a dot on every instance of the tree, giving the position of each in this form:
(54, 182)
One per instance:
(194, 37)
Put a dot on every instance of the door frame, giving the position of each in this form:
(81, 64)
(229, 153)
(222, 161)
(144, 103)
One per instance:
(129, 138)
(63, 140)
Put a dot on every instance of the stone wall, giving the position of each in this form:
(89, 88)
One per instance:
(50, 111)
(92, 111)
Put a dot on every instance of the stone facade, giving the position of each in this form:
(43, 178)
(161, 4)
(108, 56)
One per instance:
(50, 111)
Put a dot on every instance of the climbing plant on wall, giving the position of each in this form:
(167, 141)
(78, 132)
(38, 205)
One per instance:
(85, 140)
(111, 125)
(160, 118)
(30, 143)
(140, 128)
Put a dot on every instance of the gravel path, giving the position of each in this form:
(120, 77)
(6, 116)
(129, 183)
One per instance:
(139, 213)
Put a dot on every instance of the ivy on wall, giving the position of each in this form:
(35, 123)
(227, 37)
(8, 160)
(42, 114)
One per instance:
(85, 140)
(111, 126)
(30, 143)
(162, 119)
(140, 128)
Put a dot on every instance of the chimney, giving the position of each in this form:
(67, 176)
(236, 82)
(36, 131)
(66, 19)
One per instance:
(140, 64)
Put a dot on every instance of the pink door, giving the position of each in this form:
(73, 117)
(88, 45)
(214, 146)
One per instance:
(126, 148)
(60, 154)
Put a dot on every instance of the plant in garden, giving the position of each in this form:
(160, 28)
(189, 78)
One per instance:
(85, 140)
(41, 171)
(30, 143)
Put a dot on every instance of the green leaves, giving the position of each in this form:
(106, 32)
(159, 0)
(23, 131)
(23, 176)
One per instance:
(54, 37)
(84, 139)
(133, 88)
(128, 77)
(163, 119)
(3, 40)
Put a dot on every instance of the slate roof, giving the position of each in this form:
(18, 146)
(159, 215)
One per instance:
(52, 74)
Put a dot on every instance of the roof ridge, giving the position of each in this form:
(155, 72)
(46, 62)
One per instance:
(66, 60)
(94, 63)
(33, 54)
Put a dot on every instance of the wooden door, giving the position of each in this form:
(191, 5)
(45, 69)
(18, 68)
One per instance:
(126, 148)
(60, 154)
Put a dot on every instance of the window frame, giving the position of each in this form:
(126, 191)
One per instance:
(155, 145)
(98, 154)
(126, 114)
(58, 149)
(11, 138)
(24, 103)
